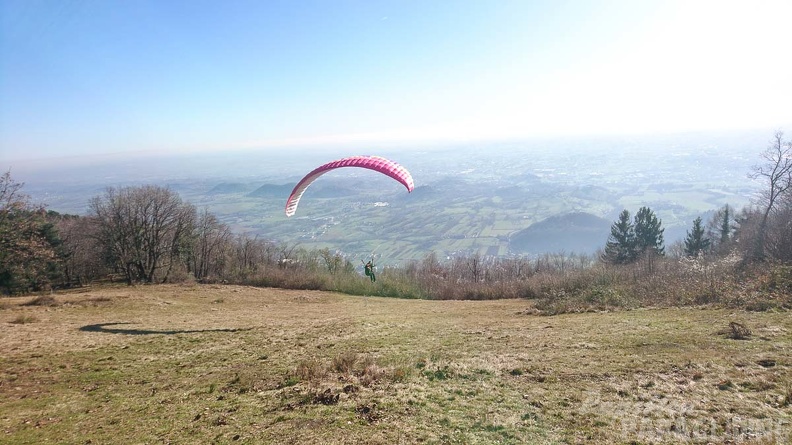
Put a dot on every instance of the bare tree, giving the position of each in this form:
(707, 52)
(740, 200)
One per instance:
(777, 172)
(209, 242)
(248, 255)
(474, 267)
(334, 261)
(779, 231)
(286, 253)
(143, 230)
(82, 259)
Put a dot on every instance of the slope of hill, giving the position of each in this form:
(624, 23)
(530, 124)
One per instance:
(233, 364)
(225, 188)
(272, 191)
(577, 232)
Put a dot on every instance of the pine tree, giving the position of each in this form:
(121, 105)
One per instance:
(720, 228)
(695, 242)
(620, 248)
(725, 225)
(648, 232)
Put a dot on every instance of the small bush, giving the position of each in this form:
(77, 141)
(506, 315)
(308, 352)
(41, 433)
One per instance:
(354, 369)
(310, 370)
(290, 381)
(373, 373)
(606, 297)
(738, 331)
(180, 275)
(400, 374)
(779, 280)
(443, 373)
(558, 283)
(345, 362)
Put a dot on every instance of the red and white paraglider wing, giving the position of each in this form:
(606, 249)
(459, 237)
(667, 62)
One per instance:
(376, 163)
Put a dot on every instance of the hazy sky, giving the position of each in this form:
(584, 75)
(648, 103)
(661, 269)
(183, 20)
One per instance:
(100, 76)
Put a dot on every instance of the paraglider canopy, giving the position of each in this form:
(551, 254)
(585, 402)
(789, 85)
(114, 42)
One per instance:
(376, 163)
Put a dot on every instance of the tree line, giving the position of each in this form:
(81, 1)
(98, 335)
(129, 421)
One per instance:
(762, 231)
(148, 234)
(145, 234)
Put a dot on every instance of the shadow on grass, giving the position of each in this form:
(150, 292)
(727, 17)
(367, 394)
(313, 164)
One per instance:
(103, 327)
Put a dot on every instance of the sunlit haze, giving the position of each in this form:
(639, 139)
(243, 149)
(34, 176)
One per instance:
(87, 77)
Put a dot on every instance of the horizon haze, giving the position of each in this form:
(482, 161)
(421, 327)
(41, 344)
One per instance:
(498, 199)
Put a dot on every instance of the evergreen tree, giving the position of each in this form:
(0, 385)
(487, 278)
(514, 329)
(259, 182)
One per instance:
(725, 225)
(721, 228)
(648, 232)
(695, 242)
(620, 248)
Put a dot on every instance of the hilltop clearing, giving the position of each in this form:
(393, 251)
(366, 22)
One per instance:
(233, 364)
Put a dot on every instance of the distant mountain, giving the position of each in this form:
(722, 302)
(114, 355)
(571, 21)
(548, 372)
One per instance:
(577, 232)
(272, 191)
(423, 191)
(225, 188)
(316, 190)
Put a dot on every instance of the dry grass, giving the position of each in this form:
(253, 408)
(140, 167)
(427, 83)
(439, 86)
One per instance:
(42, 300)
(168, 364)
(24, 319)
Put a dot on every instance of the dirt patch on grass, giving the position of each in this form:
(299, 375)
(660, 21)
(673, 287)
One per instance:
(231, 364)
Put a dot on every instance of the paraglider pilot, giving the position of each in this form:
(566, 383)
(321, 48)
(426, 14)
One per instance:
(369, 270)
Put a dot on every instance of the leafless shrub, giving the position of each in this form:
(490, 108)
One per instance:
(373, 373)
(345, 362)
(180, 275)
(311, 370)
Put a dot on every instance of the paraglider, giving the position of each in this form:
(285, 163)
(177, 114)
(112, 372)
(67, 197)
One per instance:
(368, 269)
(376, 163)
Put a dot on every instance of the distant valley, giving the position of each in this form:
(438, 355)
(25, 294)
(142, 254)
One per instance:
(497, 199)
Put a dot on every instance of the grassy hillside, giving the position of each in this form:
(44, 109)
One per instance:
(230, 364)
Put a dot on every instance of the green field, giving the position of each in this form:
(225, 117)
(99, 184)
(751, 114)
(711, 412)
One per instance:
(231, 364)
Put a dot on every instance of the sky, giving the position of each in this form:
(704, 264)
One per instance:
(85, 77)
